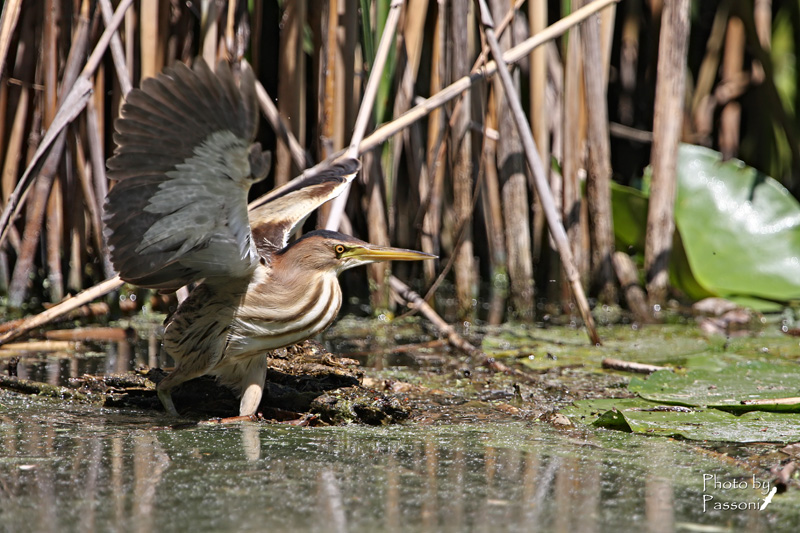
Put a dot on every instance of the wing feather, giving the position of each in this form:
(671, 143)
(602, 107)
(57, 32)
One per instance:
(284, 210)
(184, 164)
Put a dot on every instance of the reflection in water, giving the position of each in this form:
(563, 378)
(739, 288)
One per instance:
(392, 501)
(251, 443)
(658, 497)
(117, 489)
(429, 504)
(149, 463)
(45, 480)
(110, 357)
(77, 469)
(333, 517)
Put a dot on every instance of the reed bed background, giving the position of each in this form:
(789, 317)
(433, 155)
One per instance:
(444, 170)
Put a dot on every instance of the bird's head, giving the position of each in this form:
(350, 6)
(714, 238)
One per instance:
(330, 251)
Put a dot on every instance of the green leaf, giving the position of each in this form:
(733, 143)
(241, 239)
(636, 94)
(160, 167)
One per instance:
(641, 416)
(705, 403)
(629, 211)
(725, 389)
(740, 228)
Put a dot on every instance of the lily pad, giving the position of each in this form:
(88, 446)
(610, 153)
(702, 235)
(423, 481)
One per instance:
(737, 388)
(642, 416)
(738, 231)
(739, 227)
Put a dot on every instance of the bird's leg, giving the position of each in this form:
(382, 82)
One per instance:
(166, 400)
(165, 386)
(253, 387)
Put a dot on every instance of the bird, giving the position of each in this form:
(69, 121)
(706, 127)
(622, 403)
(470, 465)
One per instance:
(177, 214)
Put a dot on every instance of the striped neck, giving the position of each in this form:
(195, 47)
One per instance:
(278, 313)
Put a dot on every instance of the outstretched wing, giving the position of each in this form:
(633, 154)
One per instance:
(284, 209)
(185, 160)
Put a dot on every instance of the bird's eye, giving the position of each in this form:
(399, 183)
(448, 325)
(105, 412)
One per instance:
(339, 249)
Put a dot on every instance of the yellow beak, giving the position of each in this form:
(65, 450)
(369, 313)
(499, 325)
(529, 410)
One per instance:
(370, 253)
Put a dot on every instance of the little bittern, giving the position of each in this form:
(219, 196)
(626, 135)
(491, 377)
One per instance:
(185, 161)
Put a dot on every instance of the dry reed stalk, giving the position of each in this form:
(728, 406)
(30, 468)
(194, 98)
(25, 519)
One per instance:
(131, 21)
(461, 157)
(291, 85)
(98, 188)
(493, 218)
(281, 129)
(377, 229)
(152, 43)
(598, 181)
(555, 107)
(15, 140)
(413, 37)
(572, 156)
(409, 51)
(4, 112)
(54, 230)
(4, 271)
(340, 85)
(459, 228)
(667, 123)
(49, 60)
(607, 19)
(89, 334)
(327, 73)
(60, 309)
(318, 21)
(41, 346)
(78, 243)
(762, 16)
(703, 105)
(345, 87)
(516, 207)
(630, 366)
(415, 301)
(732, 62)
(430, 182)
(85, 174)
(256, 31)
(540, 117)
(209, 31)
(540, 177)
(230, 34)
(629, 62)
(24, 266)
(8, 22)
(117, 54)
